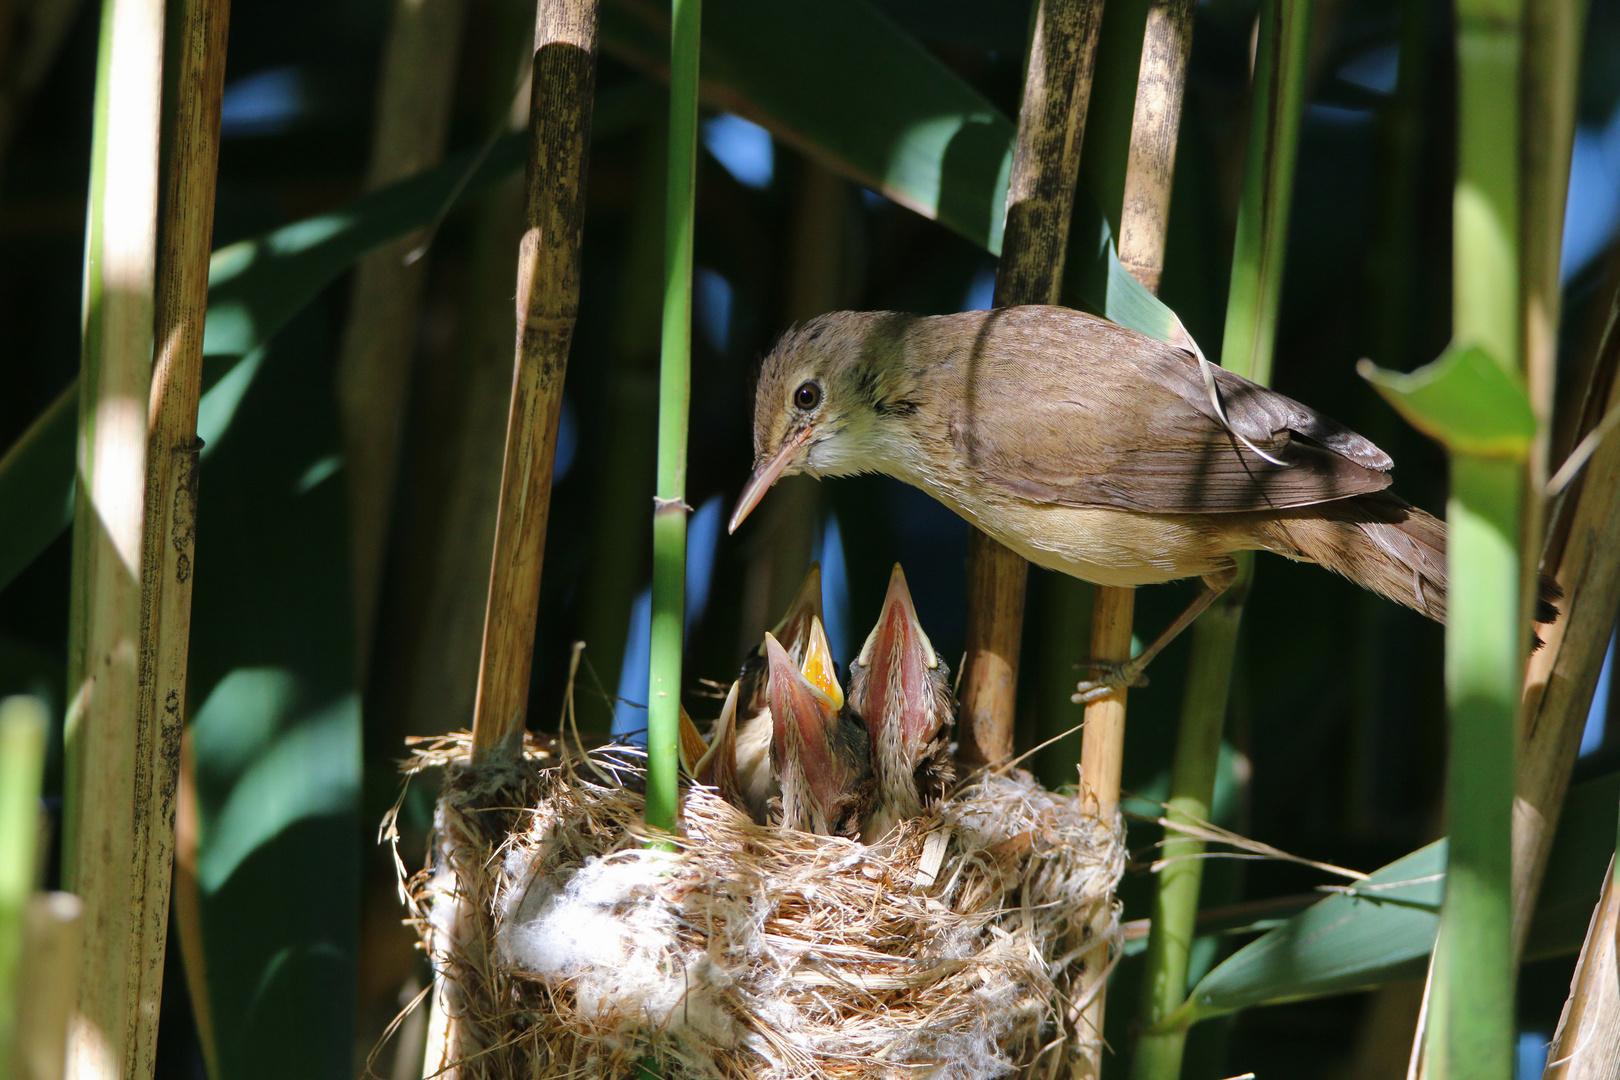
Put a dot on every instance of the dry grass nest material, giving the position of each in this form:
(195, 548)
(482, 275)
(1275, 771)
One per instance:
(957, 948)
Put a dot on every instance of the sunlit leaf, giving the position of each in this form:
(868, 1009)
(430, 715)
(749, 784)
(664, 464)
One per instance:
(1465, 399)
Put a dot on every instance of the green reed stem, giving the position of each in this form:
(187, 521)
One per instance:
(674, 393)
(1247, 346)
(22, 760)
(1470, 1030)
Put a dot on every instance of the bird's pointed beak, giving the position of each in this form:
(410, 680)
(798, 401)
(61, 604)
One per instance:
(767, 473)
(804, 719)
(899, 660)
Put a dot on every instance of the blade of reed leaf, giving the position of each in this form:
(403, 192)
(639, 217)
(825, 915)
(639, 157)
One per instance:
(255, 287)
(1378, 930)
(114, 782)
(1247, 347)
(674, 400)
(840, 82)
(1383, 929)
(22, 763)
(1587, 1042)
(168, 550)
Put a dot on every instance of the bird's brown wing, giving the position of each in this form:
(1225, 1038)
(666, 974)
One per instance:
(1118, 419)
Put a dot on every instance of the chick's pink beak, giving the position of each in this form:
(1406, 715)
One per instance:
(766, 474)
(899, 658)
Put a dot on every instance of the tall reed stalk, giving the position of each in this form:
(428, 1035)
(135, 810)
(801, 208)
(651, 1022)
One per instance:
(112, 793)
(1469, 1030)
(674, 400)
(1550, 731)
(22, 764)
(1247, 348)
(172, 456)
(547, 304)
(1040, 194)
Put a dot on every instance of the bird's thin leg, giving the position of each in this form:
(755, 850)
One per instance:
(1118, 676)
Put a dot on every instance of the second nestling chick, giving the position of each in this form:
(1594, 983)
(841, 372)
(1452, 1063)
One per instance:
(902, 690)
(751, 720)
(820, 754)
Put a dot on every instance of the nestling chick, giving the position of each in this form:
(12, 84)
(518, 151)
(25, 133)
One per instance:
(1093, 450)
(901, 688)
(820, 753)
(756, 783)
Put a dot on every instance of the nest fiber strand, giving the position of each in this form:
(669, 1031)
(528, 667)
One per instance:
(566, 946)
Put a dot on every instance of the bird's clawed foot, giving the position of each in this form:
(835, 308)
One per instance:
(1111, 678)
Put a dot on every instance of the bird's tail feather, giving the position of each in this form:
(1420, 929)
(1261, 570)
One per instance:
(1377, 541)
(1381, 543)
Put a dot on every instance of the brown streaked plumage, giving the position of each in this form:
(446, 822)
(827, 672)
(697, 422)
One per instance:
(1090, 449)
(901, 688)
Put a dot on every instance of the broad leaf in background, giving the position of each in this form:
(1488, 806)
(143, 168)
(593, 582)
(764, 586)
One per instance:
(862, 97)
(276, 731)
(1381, 930)
(254, 288)
(1378, 935)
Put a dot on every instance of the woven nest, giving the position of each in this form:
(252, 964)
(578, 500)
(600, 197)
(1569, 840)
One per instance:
(962, 946)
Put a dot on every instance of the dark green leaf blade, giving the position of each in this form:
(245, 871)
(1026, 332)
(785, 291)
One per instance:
(1383, 931)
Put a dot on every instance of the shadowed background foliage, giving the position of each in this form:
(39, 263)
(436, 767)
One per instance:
(1335, 736)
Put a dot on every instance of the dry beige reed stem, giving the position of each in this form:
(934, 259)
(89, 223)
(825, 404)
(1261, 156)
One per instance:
(135, 518)
(1040, 196)
(1144, 224)
(565, 38)
(1562, 677)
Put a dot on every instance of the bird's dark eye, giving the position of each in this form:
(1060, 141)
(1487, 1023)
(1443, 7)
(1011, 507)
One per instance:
(807, 396)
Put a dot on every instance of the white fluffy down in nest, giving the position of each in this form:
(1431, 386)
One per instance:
(755, 952)
(608, 933)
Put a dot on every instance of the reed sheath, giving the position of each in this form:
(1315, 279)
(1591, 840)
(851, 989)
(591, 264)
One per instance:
(1552, 711)
(1040, 197)
(115, 798)
(565, 40)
